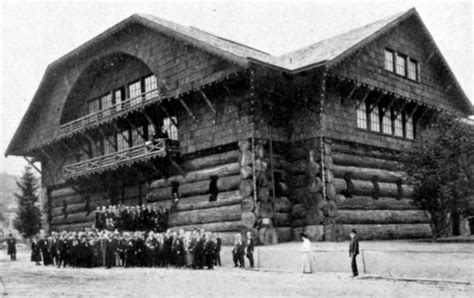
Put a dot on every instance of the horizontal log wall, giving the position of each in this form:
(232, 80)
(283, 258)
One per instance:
(372, 195)
(193, 210)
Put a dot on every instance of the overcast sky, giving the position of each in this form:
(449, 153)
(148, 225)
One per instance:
(33, 34)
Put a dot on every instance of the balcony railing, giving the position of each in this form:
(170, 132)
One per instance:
(158, 148)
(109, 113)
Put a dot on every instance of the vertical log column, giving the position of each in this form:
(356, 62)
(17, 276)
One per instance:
(315, 202)
(331, 229)
(246, 184)
(265, 202)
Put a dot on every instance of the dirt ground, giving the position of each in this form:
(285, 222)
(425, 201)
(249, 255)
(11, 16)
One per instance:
(23, 278)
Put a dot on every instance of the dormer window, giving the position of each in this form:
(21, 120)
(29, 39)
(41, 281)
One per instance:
(412, 69)
(401, 65)
(389, 54)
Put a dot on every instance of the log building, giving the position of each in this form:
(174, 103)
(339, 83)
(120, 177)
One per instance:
(305, 141)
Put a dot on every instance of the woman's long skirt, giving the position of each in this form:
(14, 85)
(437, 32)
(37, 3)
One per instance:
(307, 264)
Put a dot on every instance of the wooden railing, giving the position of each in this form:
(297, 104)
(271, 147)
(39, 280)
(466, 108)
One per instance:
(158, 148)
(109, 113)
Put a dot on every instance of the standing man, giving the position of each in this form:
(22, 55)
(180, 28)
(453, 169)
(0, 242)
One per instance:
(11, 244)
(250, 248)
(110, 247)
(353, 252)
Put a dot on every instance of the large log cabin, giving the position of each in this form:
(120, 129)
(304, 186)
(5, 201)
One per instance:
(309, 140)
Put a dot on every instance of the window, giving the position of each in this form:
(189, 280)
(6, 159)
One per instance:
(387, 122)
(137, 136)
(362, 116)
(170, 128)
(97, 149)
(93, 106)
(106, 102)
(374, 119)
(401, 64)
(409, 133)
(122, 140)
(389, 60)
(118, 96)
(151, 87)
(412, 69)
(134, 91)
(151, 131)
(398, 125)
(108, 146)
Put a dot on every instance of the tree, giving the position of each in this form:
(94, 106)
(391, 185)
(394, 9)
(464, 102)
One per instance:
(28, 220)
(440, 165)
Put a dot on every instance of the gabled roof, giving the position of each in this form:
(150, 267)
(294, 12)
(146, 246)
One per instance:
(327, 52)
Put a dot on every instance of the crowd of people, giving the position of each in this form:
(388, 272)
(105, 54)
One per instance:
(195, 249)
(131, 218)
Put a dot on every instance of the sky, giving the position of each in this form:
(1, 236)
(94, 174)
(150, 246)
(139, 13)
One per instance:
(33, 34)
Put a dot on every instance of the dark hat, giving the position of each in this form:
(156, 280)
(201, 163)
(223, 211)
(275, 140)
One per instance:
(303, 235)
(353, 231)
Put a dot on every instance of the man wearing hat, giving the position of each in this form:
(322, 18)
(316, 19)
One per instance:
(354, 251)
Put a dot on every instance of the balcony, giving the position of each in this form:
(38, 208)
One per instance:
(127, 157)
(109, 113)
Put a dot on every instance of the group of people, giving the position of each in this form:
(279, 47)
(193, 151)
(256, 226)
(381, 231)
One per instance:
(92, 248)
(131, 218)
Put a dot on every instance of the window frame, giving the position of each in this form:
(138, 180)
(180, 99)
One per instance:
(386, 62)
(416, 69)
(401, 57)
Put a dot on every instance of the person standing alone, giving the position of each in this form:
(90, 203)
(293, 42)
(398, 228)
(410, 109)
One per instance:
(11, 247)
(353, 252)
(307, 259)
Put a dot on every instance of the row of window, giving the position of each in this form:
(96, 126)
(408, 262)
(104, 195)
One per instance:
(127, 139)
(142, 89)
(402, 65)
(385, 120)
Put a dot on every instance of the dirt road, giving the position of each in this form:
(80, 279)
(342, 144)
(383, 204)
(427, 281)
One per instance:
(24, 278)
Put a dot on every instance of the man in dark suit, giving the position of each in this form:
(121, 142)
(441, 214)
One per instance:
(11, 244)
(110, 246)
(250, 248)
(62, 250)
(209, 248)
(353, 252)
(238, 251)
(217, 250)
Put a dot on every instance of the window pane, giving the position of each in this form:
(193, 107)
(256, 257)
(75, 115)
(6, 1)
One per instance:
(118, 98)
(122, 143)
(151, 131)
(108, 147)
(170, 128)
(362, 116)
(151, 84)
(412, 70)
(93, 106)
(389, 60)
(97, 148)
(398, 125)
(409, 128)
(106, 102)
(401, 65)
(137, 136)
(375, 120)
(387, 123)
(134, 90)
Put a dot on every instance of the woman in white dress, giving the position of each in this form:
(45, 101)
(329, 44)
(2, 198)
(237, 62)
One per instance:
(307, 264)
